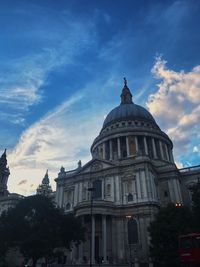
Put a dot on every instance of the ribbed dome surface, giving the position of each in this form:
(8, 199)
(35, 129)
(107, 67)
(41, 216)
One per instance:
(128, 112)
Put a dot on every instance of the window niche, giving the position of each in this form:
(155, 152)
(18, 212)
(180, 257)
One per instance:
(114, 148)
(67, 206)
(108, 190)
(97, 193)
(130, 197)
(158, 148)
(123, 147)
(165, 193)
(132, 232)
(141, 145)
(132, 145)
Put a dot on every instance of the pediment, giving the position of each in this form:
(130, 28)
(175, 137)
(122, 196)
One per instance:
(96, 165)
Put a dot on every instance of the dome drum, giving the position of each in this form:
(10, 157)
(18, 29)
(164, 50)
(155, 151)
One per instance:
(125, 146)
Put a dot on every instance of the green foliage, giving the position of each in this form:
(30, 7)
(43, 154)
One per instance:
(169, 223)
(37, 228)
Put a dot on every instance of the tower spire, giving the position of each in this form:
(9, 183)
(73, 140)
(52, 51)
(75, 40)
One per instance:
(46, 178)
(126, 96)
(3, 160)
(4, 174)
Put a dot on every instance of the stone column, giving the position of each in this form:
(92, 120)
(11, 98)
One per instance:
(145, 146)
(111, 152)
(144, 184)
(118, 147)
(179, 190)
(171, 155)
(136, 145)
(154, 148)
(76, 194)
(127, 147)
(138, 186)
(161, 150)
(104, 150)
(120, 239)
(57, 194)
(80, 191)
(113, 240)
(166, 148)
(112, 189)
(117, 189)
(93, 239)
(104, 237)
(176, 190)
(61, 197)
(80, 250)
(171, 191)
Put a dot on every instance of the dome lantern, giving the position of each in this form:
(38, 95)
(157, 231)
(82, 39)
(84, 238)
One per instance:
(126, 96)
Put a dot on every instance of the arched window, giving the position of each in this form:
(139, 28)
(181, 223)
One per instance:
(132, 232)
(130, 197)
(68, 205)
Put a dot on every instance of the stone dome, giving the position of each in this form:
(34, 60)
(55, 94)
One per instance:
(127, 110)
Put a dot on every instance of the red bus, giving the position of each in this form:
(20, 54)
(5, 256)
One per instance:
(189, 249)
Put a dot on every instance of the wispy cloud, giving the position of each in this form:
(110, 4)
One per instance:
(22, 79)
(176, 104)
(61, 137)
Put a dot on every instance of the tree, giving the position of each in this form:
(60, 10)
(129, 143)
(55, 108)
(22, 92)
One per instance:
(37, 227)
(170, 222)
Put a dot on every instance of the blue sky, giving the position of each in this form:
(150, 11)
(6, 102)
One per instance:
(62, 65)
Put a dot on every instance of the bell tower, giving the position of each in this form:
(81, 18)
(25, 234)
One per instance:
(4, 174)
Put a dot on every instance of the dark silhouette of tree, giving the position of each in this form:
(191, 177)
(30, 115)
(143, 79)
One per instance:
(170, 222)
(37, 227)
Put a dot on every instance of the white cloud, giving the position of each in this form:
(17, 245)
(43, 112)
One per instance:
(176, 104)
(196, 149)
(61, 137)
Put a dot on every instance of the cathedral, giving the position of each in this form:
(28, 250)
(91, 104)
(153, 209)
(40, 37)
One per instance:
(118, 192)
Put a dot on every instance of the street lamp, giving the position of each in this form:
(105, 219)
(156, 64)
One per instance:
(91, 189)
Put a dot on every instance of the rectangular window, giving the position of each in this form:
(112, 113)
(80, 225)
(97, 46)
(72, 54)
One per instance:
(114, 148)
(150, 147)
(97, 193)
(164, 151)
(123, 147)
(158, 148)
(141, 145)
(132, 146)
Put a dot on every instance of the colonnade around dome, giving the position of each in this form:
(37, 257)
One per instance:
(126, 146)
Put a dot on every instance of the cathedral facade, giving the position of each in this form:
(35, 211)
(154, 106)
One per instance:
(117, 194)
